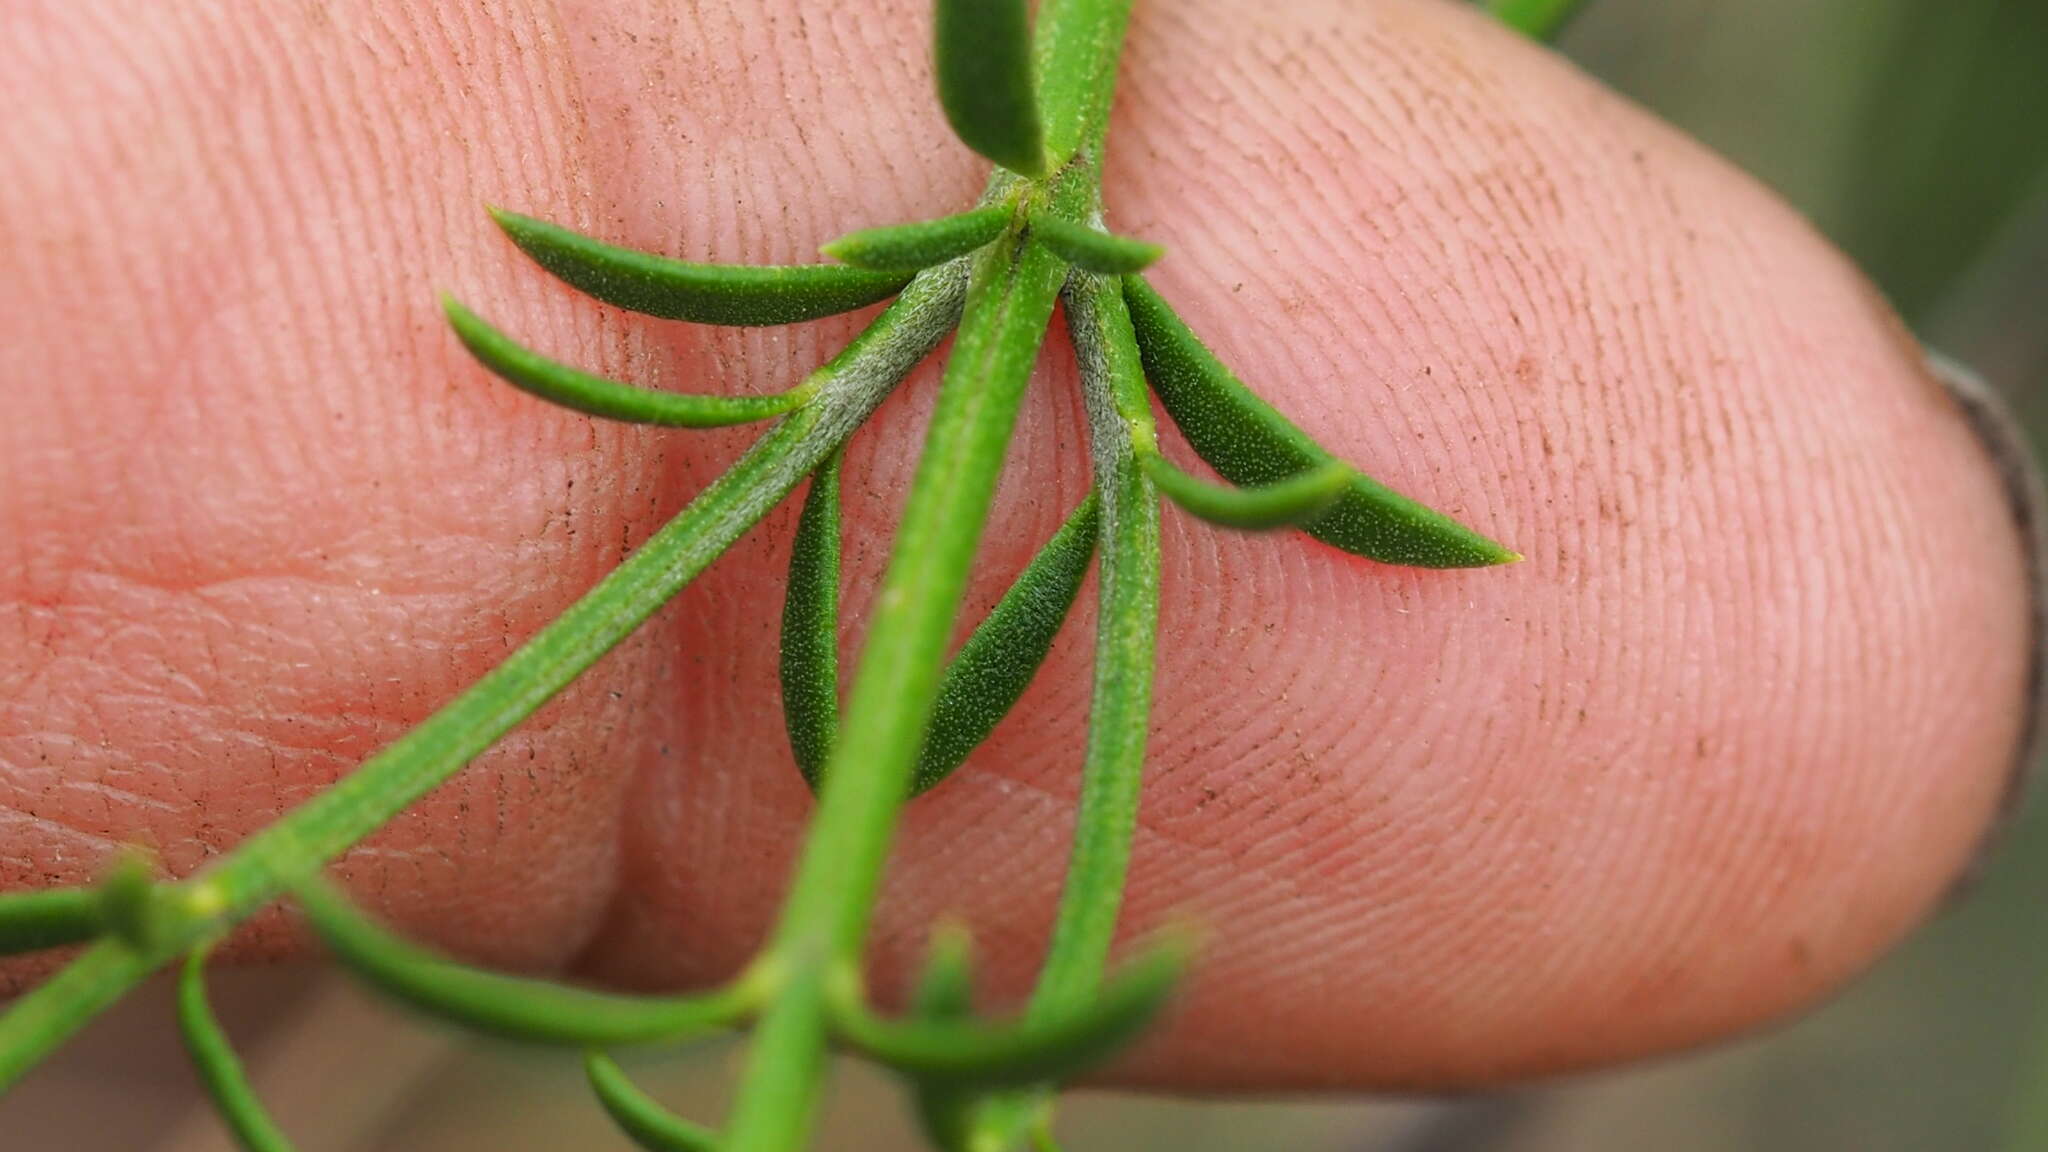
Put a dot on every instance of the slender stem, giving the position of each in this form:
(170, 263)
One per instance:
(1126, 629)
(297, 846)
(1009, 302)
(1120, 429)
(56, 1009)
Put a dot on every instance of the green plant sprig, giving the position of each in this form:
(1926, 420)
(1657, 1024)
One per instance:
(1036, 103)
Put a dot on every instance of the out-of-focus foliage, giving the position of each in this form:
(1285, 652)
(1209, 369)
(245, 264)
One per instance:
(1912, 131)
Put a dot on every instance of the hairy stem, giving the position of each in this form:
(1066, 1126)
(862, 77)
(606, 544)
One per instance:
(1010, 301)
(1127, 616)
(1126, 629)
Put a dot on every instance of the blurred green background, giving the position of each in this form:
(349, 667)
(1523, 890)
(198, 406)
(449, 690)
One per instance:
(1914, 132)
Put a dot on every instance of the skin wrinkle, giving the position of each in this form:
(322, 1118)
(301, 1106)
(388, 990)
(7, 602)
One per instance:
(1658, 783)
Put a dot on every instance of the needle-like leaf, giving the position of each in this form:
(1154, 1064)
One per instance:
(638, 1115)
(219, 1069)
(509, 1006)
(736, 294)
(1242, 437)
(1055, 1047)
(984, 680)
(810, 627)
(1295, 500)
(990, 672)
(907, 247)
(982, 54)
(48, 918)
(535, 374)
(1090, 250)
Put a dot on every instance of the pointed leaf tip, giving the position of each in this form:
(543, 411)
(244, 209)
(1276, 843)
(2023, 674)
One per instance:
(1091, 250)
(1294, 500)
(575, 389)
(638, 1115)
(908, 247)
(982, 56)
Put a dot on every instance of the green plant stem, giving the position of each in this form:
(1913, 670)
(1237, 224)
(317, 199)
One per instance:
(1009, 302)
(1077, 47)
(1127, 615)
(1126, 629)
(852, 385)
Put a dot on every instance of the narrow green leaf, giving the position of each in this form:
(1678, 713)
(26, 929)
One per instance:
(967, 1054)
(1536, 19)
(810, 628)
(1295, 500)
(898, 247)
(1242, 437)
(571, 388)
(945, 992)
(990, 672)
(638, 1115)
(48, 918)
(736, 294)
(219, 1069)
(516, 1008)
(982, 54)
(1090, 250)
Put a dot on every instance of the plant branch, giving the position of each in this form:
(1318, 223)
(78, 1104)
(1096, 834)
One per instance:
(852, 385)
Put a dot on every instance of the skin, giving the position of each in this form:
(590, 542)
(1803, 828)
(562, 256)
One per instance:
(1731, 730)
